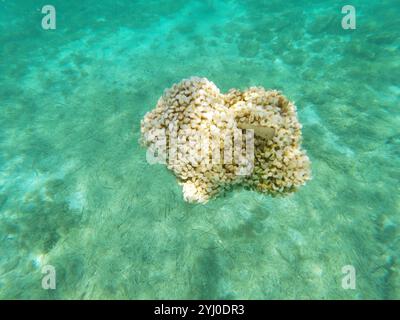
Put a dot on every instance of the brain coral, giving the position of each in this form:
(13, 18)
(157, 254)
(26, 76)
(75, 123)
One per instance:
(212, 141)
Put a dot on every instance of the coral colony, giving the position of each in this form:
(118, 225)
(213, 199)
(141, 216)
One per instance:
(213, 141)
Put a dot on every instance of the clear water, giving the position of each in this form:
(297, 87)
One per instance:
(77, 193)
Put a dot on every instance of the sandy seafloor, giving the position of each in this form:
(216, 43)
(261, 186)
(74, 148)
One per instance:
(77, 193)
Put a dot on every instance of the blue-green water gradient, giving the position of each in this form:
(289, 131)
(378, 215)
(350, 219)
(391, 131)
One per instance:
(77, 193)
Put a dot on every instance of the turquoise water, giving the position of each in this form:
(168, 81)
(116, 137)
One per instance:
(77, 193)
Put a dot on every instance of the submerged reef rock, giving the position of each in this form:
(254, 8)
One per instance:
(213, 141)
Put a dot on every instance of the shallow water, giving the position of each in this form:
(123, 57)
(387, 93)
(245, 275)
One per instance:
(77, 193)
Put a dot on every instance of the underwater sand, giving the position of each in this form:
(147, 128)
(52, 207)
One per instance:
(77, 193)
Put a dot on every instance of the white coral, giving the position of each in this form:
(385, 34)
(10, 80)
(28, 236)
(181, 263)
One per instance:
(195, 111)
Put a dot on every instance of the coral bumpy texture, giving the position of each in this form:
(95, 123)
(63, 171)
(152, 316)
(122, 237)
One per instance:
(213, 141)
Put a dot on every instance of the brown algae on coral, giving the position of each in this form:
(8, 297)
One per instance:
(203, 133)
(262, 131)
